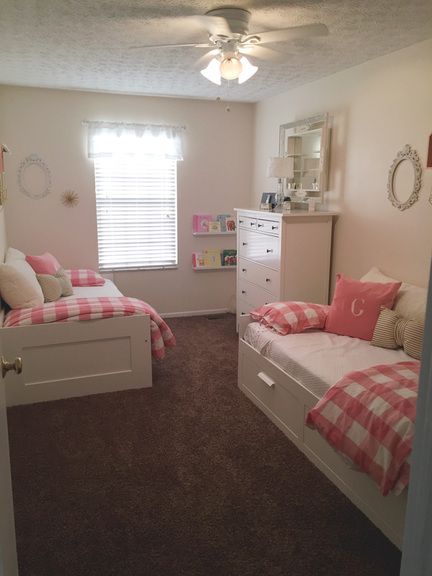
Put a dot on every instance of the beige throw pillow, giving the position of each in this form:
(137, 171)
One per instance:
(51, 287)
(19, 287)
(392, 331)
(54, 287)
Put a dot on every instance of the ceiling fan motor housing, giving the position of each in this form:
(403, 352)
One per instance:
(237, 18)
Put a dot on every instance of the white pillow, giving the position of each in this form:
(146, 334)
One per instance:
(19, 286)
(14, 254)
(410, 300)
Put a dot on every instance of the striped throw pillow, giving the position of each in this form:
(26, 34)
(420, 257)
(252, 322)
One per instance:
(392, 331)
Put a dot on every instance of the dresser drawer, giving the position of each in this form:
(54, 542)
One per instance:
(243, 306)
(262, 276)
(262, 248)
(253, 294)
(247, 222)
(269, 226)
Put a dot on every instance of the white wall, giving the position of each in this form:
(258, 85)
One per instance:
(214, 177)
(377, 108)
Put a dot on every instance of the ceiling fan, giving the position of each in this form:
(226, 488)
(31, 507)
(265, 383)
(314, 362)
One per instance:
(229, 40)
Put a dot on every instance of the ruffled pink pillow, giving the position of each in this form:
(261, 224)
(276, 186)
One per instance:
(356, 306)
(44, 264)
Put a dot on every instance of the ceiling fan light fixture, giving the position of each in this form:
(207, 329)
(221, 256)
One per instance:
(231, 68)
(248, 70)
(212, 71)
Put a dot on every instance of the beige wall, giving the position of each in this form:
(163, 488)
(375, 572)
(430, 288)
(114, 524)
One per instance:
(215, 176)
(377, 108)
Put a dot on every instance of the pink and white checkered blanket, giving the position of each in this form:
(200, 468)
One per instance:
(73, 309)
(368, 416)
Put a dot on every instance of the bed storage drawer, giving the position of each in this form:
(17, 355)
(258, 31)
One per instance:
(264, 388)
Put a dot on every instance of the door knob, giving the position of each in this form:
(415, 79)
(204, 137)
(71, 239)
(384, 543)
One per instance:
(6, 366)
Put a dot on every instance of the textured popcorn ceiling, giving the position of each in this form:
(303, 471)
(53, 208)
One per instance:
(85, 44)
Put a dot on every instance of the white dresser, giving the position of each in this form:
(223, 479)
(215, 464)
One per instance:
(282, 256)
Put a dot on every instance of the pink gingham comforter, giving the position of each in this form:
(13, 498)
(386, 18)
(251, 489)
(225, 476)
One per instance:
(368, 416)
(73, 309)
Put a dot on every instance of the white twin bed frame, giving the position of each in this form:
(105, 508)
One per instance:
(286, 401)
(66, 359)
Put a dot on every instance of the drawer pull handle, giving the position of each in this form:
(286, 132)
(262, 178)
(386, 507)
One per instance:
(243, 291)
(252, 223)
(244, 243)
(268, 279)
(266, 379)
(269, 250)
(241, 221)
(260, 225)
(243, 269)
(274, 227)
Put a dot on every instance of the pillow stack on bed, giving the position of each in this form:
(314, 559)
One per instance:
(360, 309)
(29, 281)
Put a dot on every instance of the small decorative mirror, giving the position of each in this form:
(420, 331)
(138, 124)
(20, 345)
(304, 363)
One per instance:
(34, 178)
(404, 179)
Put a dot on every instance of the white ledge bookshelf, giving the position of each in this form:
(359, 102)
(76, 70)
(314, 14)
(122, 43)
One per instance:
(214, 233)
(202, 268)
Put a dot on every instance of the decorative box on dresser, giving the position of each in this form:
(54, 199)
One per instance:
(282, 256)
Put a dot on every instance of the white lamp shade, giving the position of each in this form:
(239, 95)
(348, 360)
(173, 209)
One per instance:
(248, 70)
(280, 167)
(212, 72)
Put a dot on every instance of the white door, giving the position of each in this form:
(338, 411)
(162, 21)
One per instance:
(8, 557)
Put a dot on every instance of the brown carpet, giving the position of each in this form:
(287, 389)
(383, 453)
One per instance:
(187, 478)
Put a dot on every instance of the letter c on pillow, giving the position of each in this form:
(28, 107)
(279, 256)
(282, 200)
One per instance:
(356, 304)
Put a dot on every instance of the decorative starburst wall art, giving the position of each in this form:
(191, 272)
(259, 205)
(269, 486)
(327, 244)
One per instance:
(70, 198)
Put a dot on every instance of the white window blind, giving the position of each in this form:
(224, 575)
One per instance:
(136, 193)
(136, 202)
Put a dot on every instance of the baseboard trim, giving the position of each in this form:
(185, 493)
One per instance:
(194, 313)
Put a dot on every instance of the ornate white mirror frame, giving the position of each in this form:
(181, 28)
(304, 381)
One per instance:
(33, 161)
(410, 155)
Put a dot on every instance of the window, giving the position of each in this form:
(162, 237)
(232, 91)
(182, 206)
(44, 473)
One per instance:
(136, 195)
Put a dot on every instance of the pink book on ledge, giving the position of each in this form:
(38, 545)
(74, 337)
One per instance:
(201, 222)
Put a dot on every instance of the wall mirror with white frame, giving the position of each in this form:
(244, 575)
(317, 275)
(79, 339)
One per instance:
(306, 143)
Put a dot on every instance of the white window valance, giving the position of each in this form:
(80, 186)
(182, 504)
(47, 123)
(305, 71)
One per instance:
(109, 139)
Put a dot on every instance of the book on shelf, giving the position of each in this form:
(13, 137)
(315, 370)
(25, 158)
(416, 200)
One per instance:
(197, 260)
(214, 226)
(222, 218)
(201, 222)
(229, 257)
(212, 258)
(230, 225)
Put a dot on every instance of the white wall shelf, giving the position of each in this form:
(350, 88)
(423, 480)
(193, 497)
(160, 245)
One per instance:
(213, 233)
(202, 268)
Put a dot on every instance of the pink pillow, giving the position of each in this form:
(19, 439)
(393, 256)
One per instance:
(84, 277)
(291, 317)
(44, 264)
(356, 306)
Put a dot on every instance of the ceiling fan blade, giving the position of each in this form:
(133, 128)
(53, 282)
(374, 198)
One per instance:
(286, 34)
(205, 58)
(171, 46)
(258, 51)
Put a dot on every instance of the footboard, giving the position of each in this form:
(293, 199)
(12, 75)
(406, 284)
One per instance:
(285, 401)
(66, 359)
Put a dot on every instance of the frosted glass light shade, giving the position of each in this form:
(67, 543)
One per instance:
(248, 70)
(212, 72)
(280, 167)
(230, 68)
